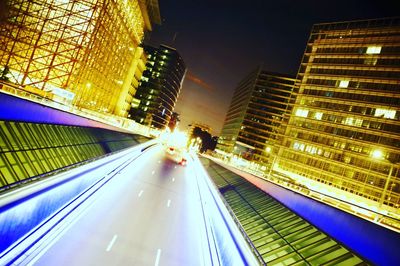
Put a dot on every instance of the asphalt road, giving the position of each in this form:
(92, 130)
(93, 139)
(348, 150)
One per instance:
(149, 214)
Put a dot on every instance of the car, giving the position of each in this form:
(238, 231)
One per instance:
(177, 155)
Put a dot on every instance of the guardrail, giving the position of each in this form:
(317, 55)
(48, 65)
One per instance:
(104, 118)
(28, 214)
(226, 242)
(373, 242)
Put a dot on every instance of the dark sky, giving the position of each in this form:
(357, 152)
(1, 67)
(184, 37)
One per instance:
(222, 41)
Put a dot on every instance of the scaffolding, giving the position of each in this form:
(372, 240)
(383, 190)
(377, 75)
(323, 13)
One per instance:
(80, 50)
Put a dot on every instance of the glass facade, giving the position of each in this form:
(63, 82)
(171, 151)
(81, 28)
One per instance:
(277, 235)
(159, 87)
(28, 149)
(253, 124)
(68, 48)
(347, 110)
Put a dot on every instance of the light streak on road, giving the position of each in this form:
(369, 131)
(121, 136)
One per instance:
(143, 225)
(158, 257)
(110, 245)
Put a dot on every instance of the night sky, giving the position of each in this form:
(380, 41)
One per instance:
(222, 41)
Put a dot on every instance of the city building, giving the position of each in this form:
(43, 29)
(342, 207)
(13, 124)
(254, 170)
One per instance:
(254, 122)
(159, 87)
(84, 53)
(343, 136)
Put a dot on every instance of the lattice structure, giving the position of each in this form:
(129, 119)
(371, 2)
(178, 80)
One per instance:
(85, 47)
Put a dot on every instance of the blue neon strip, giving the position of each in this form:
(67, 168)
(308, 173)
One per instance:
(16, 109)
(375, 243)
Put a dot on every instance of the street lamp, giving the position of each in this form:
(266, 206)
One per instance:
(269, 151)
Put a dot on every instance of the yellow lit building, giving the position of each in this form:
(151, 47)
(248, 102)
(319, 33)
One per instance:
(86, 52)
(343, 136)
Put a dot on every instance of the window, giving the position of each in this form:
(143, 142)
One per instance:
(318, 115)
(385, 113)
(351, 121)
(302, 112)
(374, 50)
(343, 84)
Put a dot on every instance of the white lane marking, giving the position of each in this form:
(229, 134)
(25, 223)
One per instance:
(173, 179)
(168, 203)
(111, 243)
(158, 257)
(140, 193)
(153, 172)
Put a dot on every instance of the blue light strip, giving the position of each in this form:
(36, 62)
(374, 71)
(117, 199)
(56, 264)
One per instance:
(230, 243)
(374, 243)
(16, 109)
(21, 212)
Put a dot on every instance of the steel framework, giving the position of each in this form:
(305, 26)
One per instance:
(86, 47)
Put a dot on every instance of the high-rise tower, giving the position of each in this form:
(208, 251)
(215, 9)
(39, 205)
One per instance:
(253, 123)
(159, 87)
(343, 135)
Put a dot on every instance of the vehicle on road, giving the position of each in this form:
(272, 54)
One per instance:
(178, 155)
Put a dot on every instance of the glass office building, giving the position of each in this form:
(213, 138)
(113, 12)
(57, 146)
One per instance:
(159, 87)
(254, 122)
(79, 52)
(343, 136)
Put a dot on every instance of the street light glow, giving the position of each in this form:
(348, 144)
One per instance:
(377, 154)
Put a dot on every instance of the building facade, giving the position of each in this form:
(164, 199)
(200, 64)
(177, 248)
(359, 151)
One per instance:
(254, 122)
(343, 136)
(159, 87)
(82, 52)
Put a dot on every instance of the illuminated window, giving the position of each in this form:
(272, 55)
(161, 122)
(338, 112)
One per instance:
(371, 61)
(343, 84)
(298, 146)
(302, 112)
(351, 121)
(386, 113)
(374, 50)
(311, 149)
(318, 115)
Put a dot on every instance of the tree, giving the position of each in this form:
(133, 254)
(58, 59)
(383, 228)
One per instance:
(208, 142)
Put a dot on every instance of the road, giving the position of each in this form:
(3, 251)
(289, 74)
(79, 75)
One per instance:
(149, 214)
